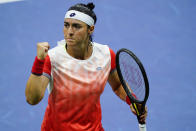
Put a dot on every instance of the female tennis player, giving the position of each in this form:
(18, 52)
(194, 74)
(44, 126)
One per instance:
(77, 70)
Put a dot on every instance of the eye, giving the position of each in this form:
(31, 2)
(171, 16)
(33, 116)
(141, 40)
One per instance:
(66, 25)
(77, 26)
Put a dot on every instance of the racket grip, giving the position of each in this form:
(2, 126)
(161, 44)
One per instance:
(142, 127)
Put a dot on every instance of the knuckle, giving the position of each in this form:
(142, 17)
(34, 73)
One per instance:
(42, 43)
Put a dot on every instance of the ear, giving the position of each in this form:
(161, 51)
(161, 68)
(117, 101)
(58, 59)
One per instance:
(91, 29)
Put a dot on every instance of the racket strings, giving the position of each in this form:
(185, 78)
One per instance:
(132, 75)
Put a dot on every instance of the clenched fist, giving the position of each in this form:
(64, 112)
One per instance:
(42, 50)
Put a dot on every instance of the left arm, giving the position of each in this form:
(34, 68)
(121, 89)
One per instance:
(118, 89)
(116, 85)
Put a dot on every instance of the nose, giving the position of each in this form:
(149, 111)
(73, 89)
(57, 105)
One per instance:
(70, 31)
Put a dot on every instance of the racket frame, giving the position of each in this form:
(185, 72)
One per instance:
(131, 97)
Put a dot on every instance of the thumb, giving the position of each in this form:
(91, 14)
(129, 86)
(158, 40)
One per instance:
(46, 49)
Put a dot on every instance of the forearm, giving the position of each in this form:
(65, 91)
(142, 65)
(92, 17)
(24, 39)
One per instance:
(120, 93)
(116, 85)
(35, 89)
(37, 83)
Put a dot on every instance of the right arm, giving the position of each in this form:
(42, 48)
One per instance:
(35, 88)
(36, 85)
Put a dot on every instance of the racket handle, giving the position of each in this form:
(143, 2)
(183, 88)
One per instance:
(142, 127)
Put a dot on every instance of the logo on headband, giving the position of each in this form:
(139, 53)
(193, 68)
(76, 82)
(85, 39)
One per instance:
(72, 14)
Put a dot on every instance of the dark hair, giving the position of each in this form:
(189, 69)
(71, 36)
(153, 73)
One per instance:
(87, 9)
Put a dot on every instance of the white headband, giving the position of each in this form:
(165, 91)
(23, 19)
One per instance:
(80, 16)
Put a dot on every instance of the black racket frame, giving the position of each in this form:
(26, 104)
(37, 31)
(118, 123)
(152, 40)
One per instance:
(132, 99)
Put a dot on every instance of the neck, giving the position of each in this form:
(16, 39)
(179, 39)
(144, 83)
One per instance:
(81, 52)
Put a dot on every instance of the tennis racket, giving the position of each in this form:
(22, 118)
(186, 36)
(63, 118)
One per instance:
(134, 81)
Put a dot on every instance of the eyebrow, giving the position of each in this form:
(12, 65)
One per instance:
(72, 23)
